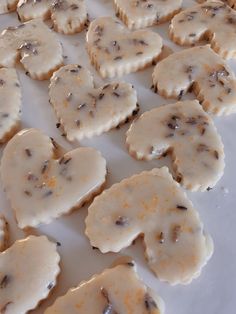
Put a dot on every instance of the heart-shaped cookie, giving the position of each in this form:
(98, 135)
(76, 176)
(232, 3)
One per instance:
(201, 70)
(115, 51)
(85, 111)
(153, 205)
(68, 16)
(36, 46)
(186, 131)
(7, 6)
(4, 233)
(115, 290)
(10, 106)
(139, 14)
(41, 188)
(211, 20)
(29, 270)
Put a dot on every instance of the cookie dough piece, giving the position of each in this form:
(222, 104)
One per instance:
(85, 111)
(186, 131)
(4, 233)
(201, 70)
(153, 205)
(40, 187)
(211, 20)
(115, 51)
(35, 45)
(139, 14)
(29, 270)
(7, 6)
(116, 290)
(68, 16)
(10, 95)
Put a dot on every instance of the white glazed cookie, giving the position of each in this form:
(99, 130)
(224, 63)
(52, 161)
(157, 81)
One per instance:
(153, 205)
(4, 233)
(115, 290)
(115, 51)
(186, 131)
(41, 188)
(85, 111)
(35, 45)
(201, 70)
(7, 6)
(10, 106)
(29, 270)
(68, 16)
(211, 20)
(143, 13)
(231, 3)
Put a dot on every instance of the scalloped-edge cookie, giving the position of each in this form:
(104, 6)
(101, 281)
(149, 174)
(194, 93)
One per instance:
(29, 270)
(85, 111)
(7, 6)
(10, 106)
(151, 204)
(35, 45)
(186, 131)
(199, 69)
(114, 50)
(139, 14)
(115, 290)
(68, 16)
(4, 233)
(41, 187)
(211, 20)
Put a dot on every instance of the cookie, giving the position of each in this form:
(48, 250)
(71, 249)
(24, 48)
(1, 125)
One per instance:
(10, 95)
(29, 270)
(231, 3)
(41, 187)
(4, 233)
(199, 69)
(212, 21)
(115, 51)
(85, 111)
(139, 14)
(186, 131)
(153, 205)
(68, 16)
(36, 46)
(7, 6)
(115, 290)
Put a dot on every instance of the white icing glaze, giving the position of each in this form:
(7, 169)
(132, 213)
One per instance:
(151, 204)
(7, 6)
(116, 290)
(189, 134)
(115, 51)
(142, 13)
(41, 188)
(213, 82)
(35, 44)
(85, 111)
(10, 95)
(68, 16)
(3, 234)
(28, 271)
(208, 20)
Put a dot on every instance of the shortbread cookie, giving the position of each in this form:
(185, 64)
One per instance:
(201, 70)
(36, 46)
(189, 134)
(10, 105)
(213, 20)
(68, 16)
(151, 204)
(4, 233)
(41, 188)
(115, 51)
(7, 6)
(85, 111)
(143, 13)
(116, 290)
(28, 272)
